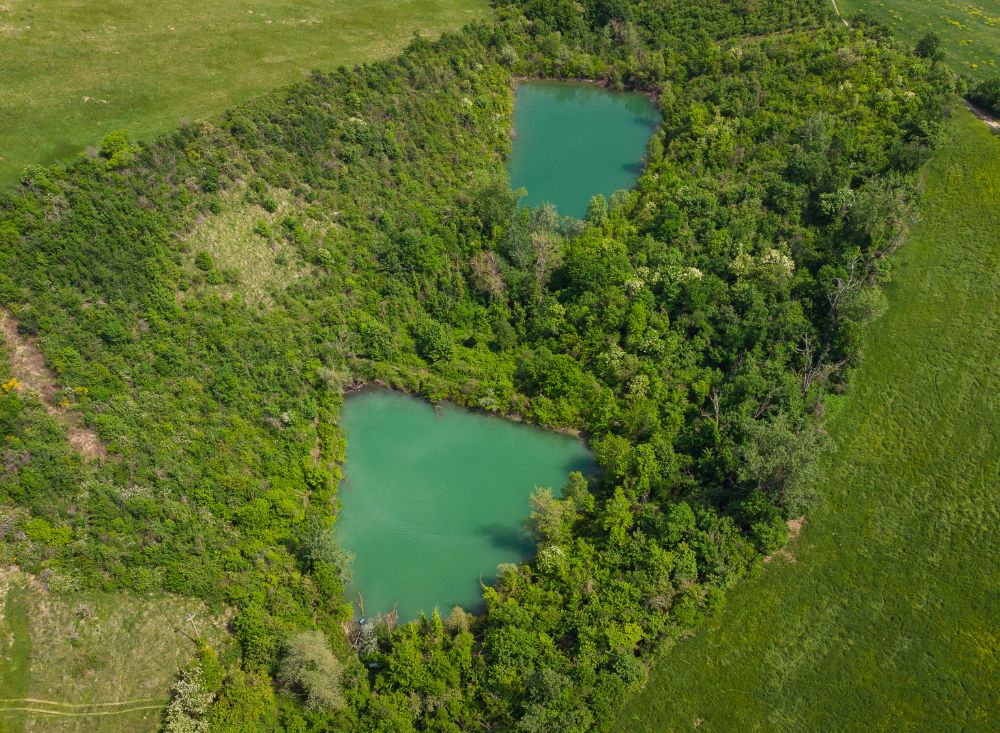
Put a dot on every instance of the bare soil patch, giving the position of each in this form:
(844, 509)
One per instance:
(984, 116)
(32, 373)
(794, 528)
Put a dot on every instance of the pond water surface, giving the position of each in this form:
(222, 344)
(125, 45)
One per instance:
(575, 140)
(435, 498)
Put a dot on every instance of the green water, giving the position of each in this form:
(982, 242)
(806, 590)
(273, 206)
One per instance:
(435, 498)
(573, 141)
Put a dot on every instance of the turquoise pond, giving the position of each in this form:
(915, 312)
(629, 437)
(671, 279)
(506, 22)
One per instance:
(436, 497)
(575, 140)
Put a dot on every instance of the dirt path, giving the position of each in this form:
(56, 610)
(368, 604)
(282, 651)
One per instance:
(839, 14)
(32, 373)
(54, 703)
(984, 116)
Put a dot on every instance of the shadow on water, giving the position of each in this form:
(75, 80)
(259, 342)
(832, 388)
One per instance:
(567, 92)
(509, 539)
(586, 466)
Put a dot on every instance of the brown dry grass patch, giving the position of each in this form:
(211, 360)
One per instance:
(794, 528)
(102, 661)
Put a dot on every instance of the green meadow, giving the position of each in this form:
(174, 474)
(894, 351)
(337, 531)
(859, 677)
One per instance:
(969, 29)
(91, 661)
(72, 70)
(884, 613)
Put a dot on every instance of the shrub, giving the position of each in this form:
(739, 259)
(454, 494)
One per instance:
(310, 668)
(190, 702)
(433, 340)
(929, 47)
(986, 94)
(203, 261)
(117, 149)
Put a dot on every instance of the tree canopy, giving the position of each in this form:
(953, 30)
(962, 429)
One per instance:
(691, 327)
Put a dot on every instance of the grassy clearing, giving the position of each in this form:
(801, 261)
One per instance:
(15, 643)
(74, 69)
(970, 29)
(242, 243)
(889, 618)
(91, 661)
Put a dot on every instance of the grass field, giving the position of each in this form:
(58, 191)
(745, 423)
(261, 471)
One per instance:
(79, 662)
(970, 29)
(71, 70)
(889, 616)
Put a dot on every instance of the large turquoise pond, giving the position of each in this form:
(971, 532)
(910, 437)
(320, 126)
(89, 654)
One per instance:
(574, 140)
(435, 498)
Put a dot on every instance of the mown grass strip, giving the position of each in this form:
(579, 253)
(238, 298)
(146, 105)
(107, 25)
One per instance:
(80, 704)
(82, 714)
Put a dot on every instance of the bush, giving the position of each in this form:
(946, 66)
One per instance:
(433, 341)
(986, 94)
(310, 668)
(190, 702)
(767, 527)
(929, 47)
(203, 261)
(117, 149)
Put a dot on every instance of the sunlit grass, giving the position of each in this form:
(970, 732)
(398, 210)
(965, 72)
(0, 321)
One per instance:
(71, 70)
(970, 29)
(255, 263)
(76, 655)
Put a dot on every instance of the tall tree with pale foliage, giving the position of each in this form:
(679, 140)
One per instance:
(311, 669)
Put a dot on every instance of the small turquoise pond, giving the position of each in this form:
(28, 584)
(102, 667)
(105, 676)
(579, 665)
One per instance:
(436, 497)
(573, 141)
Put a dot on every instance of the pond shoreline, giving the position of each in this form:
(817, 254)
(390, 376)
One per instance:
(652, 94)
(355, 389)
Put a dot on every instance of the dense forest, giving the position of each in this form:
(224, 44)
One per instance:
(690, 328)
